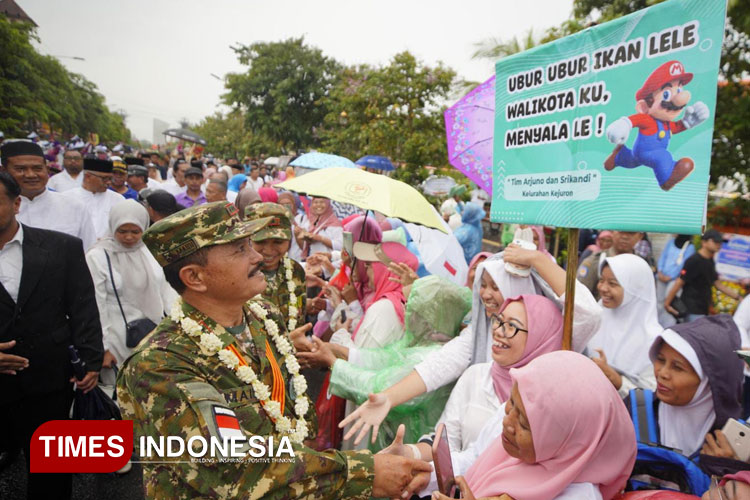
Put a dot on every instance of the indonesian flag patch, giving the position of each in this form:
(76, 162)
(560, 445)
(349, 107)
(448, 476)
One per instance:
(227, 423)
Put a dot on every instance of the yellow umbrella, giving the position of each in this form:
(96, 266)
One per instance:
(368, 191)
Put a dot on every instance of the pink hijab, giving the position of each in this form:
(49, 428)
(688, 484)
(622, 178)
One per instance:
(582, 433)
(384, 288)
(368, 231)
(268, 195)
(317, 224)
(544, 322)
(475, 262)
(542, 245)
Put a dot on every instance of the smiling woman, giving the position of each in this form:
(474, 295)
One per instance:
(629, 322)
(541, 458)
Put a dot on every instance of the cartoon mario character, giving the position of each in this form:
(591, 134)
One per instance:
(659, 102)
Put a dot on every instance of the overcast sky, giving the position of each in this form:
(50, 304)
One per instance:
(154, 58)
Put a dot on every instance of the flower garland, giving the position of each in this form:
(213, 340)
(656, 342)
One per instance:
(293, 311)
(211, 345)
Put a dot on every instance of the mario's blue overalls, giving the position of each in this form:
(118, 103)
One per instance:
(650, 150)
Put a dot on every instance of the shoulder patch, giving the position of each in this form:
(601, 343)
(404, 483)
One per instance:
(583, 271)
(227, 424)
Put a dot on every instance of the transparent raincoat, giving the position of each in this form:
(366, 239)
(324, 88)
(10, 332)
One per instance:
(434, 312)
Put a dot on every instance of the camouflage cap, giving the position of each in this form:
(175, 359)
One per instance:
(189, 230)
(279, 226)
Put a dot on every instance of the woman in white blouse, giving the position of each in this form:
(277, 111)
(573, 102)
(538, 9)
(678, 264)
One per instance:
(138, 279)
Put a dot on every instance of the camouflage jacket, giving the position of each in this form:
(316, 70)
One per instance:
(169, 387)
(277, 291)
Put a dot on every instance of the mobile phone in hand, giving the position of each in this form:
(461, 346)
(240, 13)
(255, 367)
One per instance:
(738, 435)
(441, 456)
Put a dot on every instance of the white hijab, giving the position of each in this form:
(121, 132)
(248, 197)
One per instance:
(134, 264)
(627, 331)
(509, 285)
(685, 427)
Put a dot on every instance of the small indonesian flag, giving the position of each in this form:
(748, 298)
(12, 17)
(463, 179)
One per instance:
(450, 268)
(227, 423)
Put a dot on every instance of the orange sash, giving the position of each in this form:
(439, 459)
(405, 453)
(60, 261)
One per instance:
(278, 390)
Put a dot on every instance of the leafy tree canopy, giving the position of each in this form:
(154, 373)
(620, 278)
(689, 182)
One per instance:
(37, 90)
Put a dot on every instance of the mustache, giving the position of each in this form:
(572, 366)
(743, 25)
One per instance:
(671, 107)
(255, 270)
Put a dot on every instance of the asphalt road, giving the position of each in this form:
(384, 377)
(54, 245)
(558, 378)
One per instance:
(85, 486)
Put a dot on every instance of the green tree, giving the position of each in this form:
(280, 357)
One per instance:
(395, 111)
(37, 89)
(227, 136)
(282, 92)
(497, 48)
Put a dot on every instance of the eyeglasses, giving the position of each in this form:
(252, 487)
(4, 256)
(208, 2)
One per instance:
(509, 329)
(104, 178)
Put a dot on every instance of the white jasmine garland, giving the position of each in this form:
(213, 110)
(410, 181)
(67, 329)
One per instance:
(211, 344)
(293, 311)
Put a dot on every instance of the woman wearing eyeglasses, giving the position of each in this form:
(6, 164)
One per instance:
(526, 327)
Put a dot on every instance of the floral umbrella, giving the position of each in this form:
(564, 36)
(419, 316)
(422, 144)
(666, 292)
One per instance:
(469, 127)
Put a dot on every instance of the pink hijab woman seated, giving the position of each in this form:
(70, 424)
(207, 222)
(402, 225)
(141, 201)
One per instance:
(566, 435)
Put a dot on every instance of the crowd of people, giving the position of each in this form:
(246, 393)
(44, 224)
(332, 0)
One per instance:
(113, 254)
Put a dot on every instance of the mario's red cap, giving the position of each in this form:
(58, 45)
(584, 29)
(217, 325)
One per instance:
(667, 72)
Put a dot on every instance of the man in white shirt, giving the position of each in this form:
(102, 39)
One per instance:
(176, 184)
(255, 180)
(71, 176)
(40, 207)
(97, 199)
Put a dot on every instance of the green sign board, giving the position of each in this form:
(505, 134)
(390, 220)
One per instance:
(611, 128)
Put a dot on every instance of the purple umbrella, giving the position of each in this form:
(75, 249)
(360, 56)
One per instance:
(469, 127)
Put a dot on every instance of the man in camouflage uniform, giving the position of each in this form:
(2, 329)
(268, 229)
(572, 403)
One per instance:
(272, 243)
(174, 385)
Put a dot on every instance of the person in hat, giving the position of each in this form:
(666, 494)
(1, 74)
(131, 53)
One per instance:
(97, 199)
(659, 102)
(285, 278)
(119, 175)
(208, 368)
(138, 178)
(41, 207)
(132, 162)
(71, 176)
(193, 195)
(697, 277)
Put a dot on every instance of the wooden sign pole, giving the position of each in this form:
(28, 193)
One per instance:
(570, 287)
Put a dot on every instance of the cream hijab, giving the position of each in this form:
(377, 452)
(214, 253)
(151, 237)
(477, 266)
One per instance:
(627, 331)
(135, 264)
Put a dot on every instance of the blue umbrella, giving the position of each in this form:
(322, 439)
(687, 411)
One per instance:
(376, 162)
(322, 160)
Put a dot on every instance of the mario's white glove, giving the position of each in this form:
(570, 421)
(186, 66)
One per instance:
(695, 115)
(619, 130)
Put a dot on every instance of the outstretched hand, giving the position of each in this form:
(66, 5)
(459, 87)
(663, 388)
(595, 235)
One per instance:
(299, 338)
(368, 416)
(397, 447)
(11, 364)
(320, 355)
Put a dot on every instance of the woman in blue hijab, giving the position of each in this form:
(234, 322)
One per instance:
(236, 182)
(470, 232)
